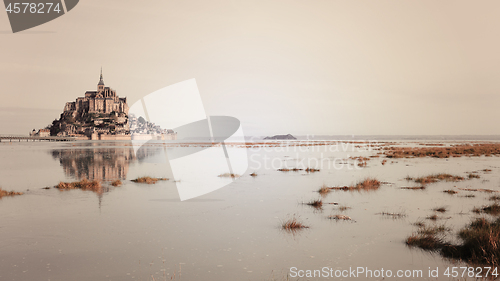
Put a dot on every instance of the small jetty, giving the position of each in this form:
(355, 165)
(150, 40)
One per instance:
(11, 138)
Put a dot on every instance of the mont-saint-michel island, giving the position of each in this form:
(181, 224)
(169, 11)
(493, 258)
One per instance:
(102, 115)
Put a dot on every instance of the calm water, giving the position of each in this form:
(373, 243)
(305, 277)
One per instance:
(141, 232)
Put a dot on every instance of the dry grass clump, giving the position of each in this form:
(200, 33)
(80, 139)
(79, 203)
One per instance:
(426, 242)
(84, 184)
(440, 209)
(394, 215)
(384, 161)
(229, 175)
(340, 217)
(9, 193)
(479, 189)
(290, 170)
(450, 191)
(487, 149)
(324, 190)
(473, 176)
(368, 184)
(317, 204)
(435, 178)
(344, 208)
(426, 237)
(495, 198)
(253, 174)
(311, 170)
(116, 183)
(493, 209)
(293, 224)
(480, 242)
(422, 187)
(432, 217)
(149, 180)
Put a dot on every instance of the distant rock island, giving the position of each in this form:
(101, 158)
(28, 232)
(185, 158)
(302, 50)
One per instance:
(281, 137)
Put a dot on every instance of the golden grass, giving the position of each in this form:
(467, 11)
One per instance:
(473, 176)
(229, 175)
(479, 246)
(440, 209)
(340, 217)
(290, 170)
(311, 170)
(487, 149)
(293, 224)
(422, 187)
(324, 190)
(9, 193)
(148, 180)
(479, 189)
(116, 183)
(435, 178)
(84, 184)
(392, 214)
(493, 209)
(317, 204)
(368, 184)
(344, 208)
(432, 217)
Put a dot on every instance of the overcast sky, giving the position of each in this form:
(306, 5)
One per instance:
(299, 67)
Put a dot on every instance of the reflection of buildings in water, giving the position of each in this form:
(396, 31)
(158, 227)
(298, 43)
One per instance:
(96, 163)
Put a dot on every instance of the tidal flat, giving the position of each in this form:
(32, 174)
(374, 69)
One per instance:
(357, 209)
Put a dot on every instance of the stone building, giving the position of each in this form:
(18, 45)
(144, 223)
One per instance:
(104, 100)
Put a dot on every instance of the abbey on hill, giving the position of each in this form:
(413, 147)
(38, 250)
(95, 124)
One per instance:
(99, 115)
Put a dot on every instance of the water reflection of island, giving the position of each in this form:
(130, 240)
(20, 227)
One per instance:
(95, 163)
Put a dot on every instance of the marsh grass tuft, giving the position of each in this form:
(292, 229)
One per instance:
(340, 217)
(116, 183)
(440, 209)
(9, 193)
(344, 208)
(450, 191)
(148, 180)
(324, 190)
(493, 209)
(368, 184)
(312, 170)
(422, 187)
(317, 204)
(84, 184)
(479, 245)
(473, 176)
(292, 224)
(432, 217)
(394, 215)
(229, 175)
(435, 178)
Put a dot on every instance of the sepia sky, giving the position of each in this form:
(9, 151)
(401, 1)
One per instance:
(300, 67)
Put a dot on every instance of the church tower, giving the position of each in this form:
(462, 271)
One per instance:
(100, 85)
